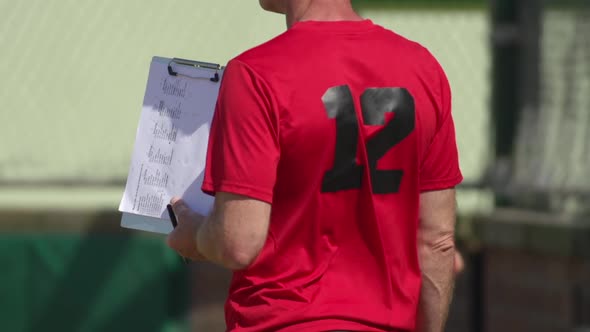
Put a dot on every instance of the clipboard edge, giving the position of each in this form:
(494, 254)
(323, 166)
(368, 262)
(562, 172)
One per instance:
(196, 64)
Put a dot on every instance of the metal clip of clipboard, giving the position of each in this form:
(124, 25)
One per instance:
(195, 64)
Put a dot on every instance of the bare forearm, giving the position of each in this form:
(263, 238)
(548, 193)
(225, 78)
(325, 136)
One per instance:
(436, 250)
(232, 236)
(228, 237)
(207, 242)
(437, 287)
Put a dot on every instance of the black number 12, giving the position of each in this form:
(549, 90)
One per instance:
(375, 103)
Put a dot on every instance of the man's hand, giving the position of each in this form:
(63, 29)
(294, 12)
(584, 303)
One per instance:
(183, 238)
(459, 265)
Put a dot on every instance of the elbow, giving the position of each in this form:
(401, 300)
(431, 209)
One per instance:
(239, 259)
(443, 244)
(436, 253)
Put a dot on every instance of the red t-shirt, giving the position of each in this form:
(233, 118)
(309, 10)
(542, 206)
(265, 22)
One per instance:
(340, 126)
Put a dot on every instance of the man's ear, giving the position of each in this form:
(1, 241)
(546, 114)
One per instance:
(276, 6)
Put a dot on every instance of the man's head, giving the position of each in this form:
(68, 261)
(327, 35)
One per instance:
(319, 10)
(277, 6)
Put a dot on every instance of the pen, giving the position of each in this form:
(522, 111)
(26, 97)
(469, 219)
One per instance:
(174, 224)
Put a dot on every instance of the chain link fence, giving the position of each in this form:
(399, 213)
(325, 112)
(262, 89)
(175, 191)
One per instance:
(552, 152)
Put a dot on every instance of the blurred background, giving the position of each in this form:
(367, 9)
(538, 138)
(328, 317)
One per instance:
(72, 79)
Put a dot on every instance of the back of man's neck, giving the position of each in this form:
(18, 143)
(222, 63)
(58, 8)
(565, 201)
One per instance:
(319, 11)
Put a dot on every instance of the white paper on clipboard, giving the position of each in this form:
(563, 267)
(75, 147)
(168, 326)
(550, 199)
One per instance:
(171, 144)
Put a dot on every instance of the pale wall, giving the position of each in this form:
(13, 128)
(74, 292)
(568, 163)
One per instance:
(72, 78)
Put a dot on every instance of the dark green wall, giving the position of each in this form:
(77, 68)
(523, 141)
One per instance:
(97, 282)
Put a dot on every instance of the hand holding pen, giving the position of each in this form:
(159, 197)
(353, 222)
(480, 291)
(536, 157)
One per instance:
(186, 223)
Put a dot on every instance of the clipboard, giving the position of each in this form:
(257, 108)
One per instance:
(195, 64)
(171, 142)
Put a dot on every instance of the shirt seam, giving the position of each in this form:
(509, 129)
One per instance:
(428, 184)
(215, 188)
(272, 97)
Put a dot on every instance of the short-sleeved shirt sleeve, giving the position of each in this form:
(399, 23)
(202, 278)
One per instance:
(440, 163)
(243, 150)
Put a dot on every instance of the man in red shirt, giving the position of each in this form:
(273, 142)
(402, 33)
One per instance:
(344, 128)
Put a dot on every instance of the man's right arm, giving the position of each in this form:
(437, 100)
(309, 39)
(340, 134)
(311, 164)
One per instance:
(436, 250)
